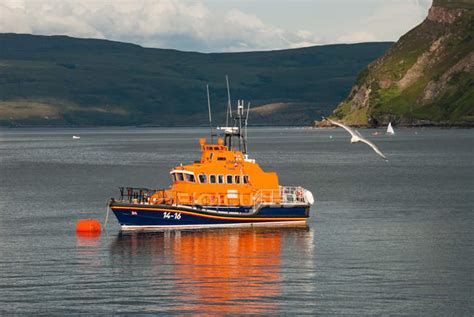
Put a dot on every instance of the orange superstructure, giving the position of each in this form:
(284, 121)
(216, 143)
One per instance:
(223, 176)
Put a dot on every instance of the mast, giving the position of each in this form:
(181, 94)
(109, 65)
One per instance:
(246, 123)
(209, 109)
(229, 105)
(240, 112)
(239, 128)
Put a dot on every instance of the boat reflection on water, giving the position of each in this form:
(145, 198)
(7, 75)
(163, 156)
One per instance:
(231, 272)
(220, 271)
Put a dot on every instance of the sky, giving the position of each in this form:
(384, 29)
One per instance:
(217, 25)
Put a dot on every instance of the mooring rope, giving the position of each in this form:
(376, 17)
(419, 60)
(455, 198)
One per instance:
(106, 217)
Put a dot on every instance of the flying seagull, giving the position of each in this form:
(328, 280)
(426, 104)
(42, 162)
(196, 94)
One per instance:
(357, 137)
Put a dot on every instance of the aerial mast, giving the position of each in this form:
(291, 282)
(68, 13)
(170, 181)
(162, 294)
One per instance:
(240, 112)
(209, 109)
(239, 128)
(229, 105)
(245, 127)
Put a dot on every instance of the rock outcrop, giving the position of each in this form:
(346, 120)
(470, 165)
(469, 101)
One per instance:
(426, 78)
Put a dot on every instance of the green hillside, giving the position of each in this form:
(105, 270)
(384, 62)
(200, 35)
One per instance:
(426, 78)
(58, 80)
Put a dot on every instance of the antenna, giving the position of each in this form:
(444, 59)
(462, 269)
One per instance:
(238, 130)
(247, 116)
(229, 105)
(209, 108)
(245, 126)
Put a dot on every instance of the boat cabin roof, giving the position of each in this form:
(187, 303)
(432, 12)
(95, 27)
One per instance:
(219, 166)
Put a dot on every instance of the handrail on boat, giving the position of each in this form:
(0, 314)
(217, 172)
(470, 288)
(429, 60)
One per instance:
(136, 195)
(284, 195)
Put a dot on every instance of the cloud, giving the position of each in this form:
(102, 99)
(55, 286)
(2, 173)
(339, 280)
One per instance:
(357, 37)
(206, 27)
(13, 19)
(388, 20)
(164, 23)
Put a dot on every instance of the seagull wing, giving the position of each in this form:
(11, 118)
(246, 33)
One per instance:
(345, 127)
(373, 146)
(359, 136)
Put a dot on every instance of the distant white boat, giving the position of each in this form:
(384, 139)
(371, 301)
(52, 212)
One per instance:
(75, 137)
(390, 129)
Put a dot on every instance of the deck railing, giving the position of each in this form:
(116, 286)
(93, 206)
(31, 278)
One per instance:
(136, 195)
(284, 195)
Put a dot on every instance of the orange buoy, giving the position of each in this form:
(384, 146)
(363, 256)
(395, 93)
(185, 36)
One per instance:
(88, 225)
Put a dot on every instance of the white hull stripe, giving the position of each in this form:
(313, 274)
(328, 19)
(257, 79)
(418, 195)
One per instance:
(229, 225)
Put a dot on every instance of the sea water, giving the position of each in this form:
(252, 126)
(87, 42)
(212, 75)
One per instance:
(387, 238)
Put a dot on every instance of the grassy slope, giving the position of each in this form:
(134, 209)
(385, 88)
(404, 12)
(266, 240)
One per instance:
(455, 103)
(85, 81)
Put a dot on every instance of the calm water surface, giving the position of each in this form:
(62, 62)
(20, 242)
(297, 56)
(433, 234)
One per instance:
(384, 238)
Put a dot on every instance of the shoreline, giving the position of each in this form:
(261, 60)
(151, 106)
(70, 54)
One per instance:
(461, 125)
(424, 126)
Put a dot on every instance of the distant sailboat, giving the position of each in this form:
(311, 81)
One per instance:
(390, 129)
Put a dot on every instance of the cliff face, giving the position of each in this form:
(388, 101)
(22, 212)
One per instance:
(426, 78)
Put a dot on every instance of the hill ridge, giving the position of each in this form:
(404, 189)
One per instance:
(61, 80)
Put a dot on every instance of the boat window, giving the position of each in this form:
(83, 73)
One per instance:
(212, 179)
(220, 179)
(190, 178)
(221, 158)
(211, 156)
(246, 179)
(202, 178)
(173, 176)
(180, 176)
(237, 179)
(229, 179)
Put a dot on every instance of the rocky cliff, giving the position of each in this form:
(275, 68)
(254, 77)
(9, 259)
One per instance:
(426, 78)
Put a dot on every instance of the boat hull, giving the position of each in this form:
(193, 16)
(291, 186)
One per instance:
(163, 217)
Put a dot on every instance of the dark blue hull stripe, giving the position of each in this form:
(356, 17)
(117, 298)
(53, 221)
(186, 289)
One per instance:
(173, 216)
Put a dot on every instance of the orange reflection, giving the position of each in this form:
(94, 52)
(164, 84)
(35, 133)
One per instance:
(87, 239)
(229, 271)
(88, 248)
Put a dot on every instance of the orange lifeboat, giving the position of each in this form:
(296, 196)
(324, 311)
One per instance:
(224, 188)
